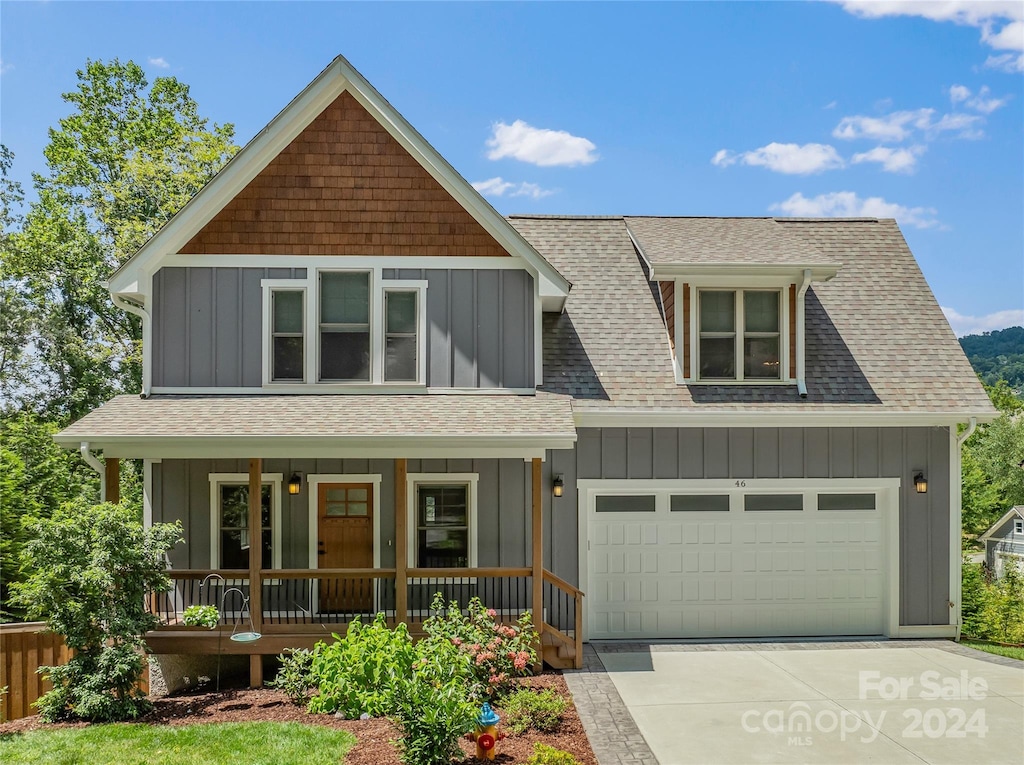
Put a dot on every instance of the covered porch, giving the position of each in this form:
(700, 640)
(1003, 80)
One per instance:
(352, 524)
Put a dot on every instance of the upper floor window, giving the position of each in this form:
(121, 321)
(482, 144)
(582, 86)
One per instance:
(344, 328)
(739, 334)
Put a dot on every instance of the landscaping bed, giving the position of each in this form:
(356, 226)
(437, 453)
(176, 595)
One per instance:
(373, 736)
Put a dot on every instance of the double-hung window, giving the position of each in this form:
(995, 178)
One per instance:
(740, 334)
(231, 537)
(443, 529)
(401, 335)
(288, 343)
(344, 326)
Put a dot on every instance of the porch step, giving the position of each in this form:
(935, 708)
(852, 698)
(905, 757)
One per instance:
(557, 654)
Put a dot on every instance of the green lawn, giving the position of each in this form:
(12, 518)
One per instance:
(999, 650)
(214, 744)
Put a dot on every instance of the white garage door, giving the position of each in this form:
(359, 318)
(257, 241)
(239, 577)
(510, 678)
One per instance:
(736, 559)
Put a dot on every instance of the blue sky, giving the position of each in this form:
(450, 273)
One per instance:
(911, 110)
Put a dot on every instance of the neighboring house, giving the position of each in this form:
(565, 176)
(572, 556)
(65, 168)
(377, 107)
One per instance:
(1004, 542)
(714, 427)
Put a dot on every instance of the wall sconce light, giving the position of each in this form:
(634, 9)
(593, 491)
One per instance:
(558, 486)
(921, 483)
(294, 484)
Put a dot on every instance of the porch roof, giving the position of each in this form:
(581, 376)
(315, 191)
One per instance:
(357, 425)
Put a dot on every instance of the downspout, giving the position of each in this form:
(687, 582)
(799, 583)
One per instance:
(801, 373)
(95, 464)
(972, 425)
(143, 314)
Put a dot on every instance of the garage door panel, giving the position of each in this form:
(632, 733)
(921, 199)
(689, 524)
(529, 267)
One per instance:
(738, 574)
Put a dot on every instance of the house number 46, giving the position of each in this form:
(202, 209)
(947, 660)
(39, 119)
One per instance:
(740, 484)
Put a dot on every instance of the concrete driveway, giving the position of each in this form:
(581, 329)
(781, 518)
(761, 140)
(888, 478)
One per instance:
(829, 702)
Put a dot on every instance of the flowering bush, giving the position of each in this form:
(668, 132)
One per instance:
(498, 653)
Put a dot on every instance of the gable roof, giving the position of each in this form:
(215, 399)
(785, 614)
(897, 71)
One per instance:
(1016, 510)
(877, 341)
(339, 77)
(690, 244)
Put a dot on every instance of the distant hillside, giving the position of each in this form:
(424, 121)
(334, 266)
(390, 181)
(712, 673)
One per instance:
(997, 355)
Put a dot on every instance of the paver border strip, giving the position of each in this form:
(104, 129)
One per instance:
(611, 729)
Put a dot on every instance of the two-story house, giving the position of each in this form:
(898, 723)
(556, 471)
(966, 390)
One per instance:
(712, 427)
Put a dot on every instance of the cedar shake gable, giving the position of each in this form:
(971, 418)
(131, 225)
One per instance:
(344, 186)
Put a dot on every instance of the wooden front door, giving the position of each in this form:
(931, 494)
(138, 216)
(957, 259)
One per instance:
(345, 520)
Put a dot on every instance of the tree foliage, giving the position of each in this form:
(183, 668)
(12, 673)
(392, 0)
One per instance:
(997, 356)
(992, 477)
(127, 158)
(90, 568)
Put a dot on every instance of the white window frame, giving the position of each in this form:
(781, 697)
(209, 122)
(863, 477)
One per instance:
(311, 332)
(270, 286)
(737, 285)
(413, 482)
(220, 479)
(1018, 525)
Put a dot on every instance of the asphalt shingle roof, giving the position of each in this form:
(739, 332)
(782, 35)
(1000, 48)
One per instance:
(760, 241)
(326, 416)
(876, 338)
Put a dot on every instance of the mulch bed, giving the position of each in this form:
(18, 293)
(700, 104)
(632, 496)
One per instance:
(374, 737)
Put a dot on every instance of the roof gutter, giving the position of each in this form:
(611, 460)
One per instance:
(92, 461)
(801, 342)
(143, 314)
(972, 425)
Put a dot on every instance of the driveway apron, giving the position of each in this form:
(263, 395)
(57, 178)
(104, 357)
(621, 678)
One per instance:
(733, 703)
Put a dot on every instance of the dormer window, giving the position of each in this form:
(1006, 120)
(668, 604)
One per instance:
(740, 335)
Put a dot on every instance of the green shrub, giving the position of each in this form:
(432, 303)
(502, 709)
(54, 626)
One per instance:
(498, 652)
(540, 710)
(295, 676)
(993, 610)
(358, 674)
(201, 616)
(90, 570)
(434, 705)
(548, 755)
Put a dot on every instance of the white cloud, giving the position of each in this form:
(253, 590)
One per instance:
(539, 146)
(972, 325)
(5, 67)
(1001, 23)
(958, 93)
(1006, 62)
(892, 160)
(831, 105)
(788, 158)
(898, 126)
(983, 101)
(498, 187)
(846, 204)
(159, 62)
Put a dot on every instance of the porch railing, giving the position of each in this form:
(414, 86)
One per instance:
(317, 601)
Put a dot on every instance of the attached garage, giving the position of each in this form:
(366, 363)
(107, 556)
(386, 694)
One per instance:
(746, 558)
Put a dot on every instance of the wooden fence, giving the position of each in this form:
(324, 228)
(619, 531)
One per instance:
(23, 649)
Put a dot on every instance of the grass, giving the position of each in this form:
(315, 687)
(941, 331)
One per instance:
(211, 744)
(1000, 650)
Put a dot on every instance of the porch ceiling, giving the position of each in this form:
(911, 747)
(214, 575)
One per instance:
(379, 425)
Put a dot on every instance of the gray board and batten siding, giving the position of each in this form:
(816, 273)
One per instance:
(181, 491)
(207, 326)
(735, 453)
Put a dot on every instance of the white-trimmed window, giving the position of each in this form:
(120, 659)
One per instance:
(230, 535)
(287, 335)
(1018, 525)
(344, 328)
(739, 334)
(442, 520)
